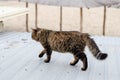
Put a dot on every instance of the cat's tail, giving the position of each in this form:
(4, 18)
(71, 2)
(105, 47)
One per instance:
(94, 48)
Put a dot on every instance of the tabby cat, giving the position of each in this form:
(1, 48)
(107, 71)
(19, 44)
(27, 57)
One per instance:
(67, 41)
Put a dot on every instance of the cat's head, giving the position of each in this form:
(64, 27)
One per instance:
(34, 34)
(39, 33)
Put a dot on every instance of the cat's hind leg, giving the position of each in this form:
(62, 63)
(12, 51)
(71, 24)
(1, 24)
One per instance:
(76, 59)
(83, 58)
(42, 53)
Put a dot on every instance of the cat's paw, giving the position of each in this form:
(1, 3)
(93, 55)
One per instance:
(46, 61)
(83, 69)
(40, 55)
(72, 64)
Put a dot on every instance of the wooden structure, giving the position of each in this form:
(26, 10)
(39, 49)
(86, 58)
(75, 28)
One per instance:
(77, 3)
(73, 3)
(10, 12)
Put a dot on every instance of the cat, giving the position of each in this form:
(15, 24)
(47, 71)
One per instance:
(73, 42)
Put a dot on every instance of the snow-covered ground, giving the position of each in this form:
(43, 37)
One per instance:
(19, 60)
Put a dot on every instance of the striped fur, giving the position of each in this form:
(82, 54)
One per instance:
(67, 41)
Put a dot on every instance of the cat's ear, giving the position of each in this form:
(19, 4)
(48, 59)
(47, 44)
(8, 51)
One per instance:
(34, 30)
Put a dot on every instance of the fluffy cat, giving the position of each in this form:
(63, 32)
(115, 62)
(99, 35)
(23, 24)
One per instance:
(67, 41)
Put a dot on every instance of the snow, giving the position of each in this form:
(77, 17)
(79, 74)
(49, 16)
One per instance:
(19, 60)
(78, 3)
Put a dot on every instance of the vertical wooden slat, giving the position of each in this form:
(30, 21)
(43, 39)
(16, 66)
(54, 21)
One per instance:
(61, 18)
(36, 15)
(27, 17)
(104, 20)
(81, 19)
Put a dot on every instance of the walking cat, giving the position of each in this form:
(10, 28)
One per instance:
(67, 41)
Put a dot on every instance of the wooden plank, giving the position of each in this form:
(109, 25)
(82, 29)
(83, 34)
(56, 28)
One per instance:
(36, 15)
(104, 21)
(81, 19)
(1, 26)
(61, 18)
(27, 18)
(11, 12)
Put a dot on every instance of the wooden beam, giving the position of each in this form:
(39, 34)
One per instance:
(104, 20)
(61, 18)
(27, 17)
(36, 15)
(81, 19)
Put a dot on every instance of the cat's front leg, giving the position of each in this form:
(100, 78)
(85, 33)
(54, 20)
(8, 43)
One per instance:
(49, 52)
(42, 53)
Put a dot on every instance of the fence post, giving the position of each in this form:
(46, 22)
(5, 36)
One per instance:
(36, 15)
(81, 19)
(27, 17)
(104, 20)
(61, 18)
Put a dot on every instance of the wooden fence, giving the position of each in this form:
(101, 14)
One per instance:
(60, 23)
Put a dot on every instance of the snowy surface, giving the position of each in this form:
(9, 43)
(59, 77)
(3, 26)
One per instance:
(19, 60)
(78, 3)
(8, 12)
